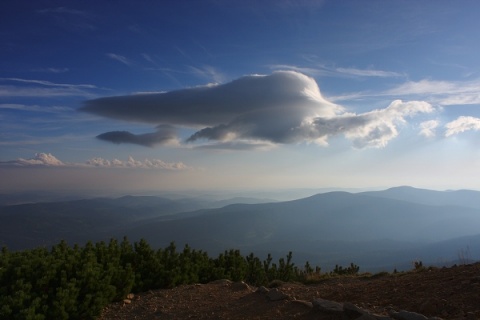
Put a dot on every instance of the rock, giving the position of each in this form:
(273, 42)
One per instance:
(276, 295)
(405, 315)
(368, 317)
(126, 301)
(351, 311)
(431, 306)
(262, 289)
(327, 306)
(303, 302)
(224, 282)
(380, 317)
(240, 286)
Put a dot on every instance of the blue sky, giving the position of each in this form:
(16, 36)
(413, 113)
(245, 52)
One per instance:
(177, 95)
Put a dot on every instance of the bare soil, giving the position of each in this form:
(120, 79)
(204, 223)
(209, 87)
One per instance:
(448, 293)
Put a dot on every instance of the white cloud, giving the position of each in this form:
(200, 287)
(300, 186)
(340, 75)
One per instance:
(462, 124)
(40, 159)
(49, 160)
(427, 128)
(284, 107)
(239, 145)
(132, 163)
(374, 128)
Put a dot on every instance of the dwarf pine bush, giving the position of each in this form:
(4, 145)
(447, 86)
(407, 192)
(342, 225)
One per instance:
(66, 282)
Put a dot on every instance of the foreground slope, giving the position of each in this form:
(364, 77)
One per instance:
(448, 293)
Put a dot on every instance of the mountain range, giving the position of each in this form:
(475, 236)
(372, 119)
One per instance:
(377, 229)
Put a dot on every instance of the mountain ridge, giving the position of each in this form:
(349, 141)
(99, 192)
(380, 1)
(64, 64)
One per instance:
(326, 227)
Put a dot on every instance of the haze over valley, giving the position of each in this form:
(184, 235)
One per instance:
(378, 230)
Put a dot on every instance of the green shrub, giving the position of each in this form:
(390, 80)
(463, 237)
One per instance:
(78, 282)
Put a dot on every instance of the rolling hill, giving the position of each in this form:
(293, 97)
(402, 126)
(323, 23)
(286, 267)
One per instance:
(385, 229)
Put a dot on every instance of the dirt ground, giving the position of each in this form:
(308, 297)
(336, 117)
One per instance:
(448, 293)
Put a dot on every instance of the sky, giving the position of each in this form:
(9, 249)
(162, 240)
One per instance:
(129, 96)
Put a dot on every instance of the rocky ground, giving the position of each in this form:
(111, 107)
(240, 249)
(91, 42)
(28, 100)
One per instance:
(448, 293)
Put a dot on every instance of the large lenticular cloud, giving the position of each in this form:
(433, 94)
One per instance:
(284, 107)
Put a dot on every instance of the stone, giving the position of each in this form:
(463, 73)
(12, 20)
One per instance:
(430, 306)
(262, 289)
(224, 282)
(126, 301)
(307, 304)
(380, 317)
(327, 306)
(367, 316)
(240, 286)
(351, 311)
(405, 315)
(276, 295)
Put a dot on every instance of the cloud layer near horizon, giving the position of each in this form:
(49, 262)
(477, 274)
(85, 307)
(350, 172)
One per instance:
(48, 160)
(284, 107)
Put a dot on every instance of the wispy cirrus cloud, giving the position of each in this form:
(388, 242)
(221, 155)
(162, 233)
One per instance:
(441, 92)
(70, 18)
(438, 92)
(445, 93)
(62, 10)
(35, 108)
(48, 160)
(49, 83)
(17, 87)
(324, 70)
(208, 72)
(368, 72)
(281, 108)
(14, 91)
(52, 70)
(119, 58)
